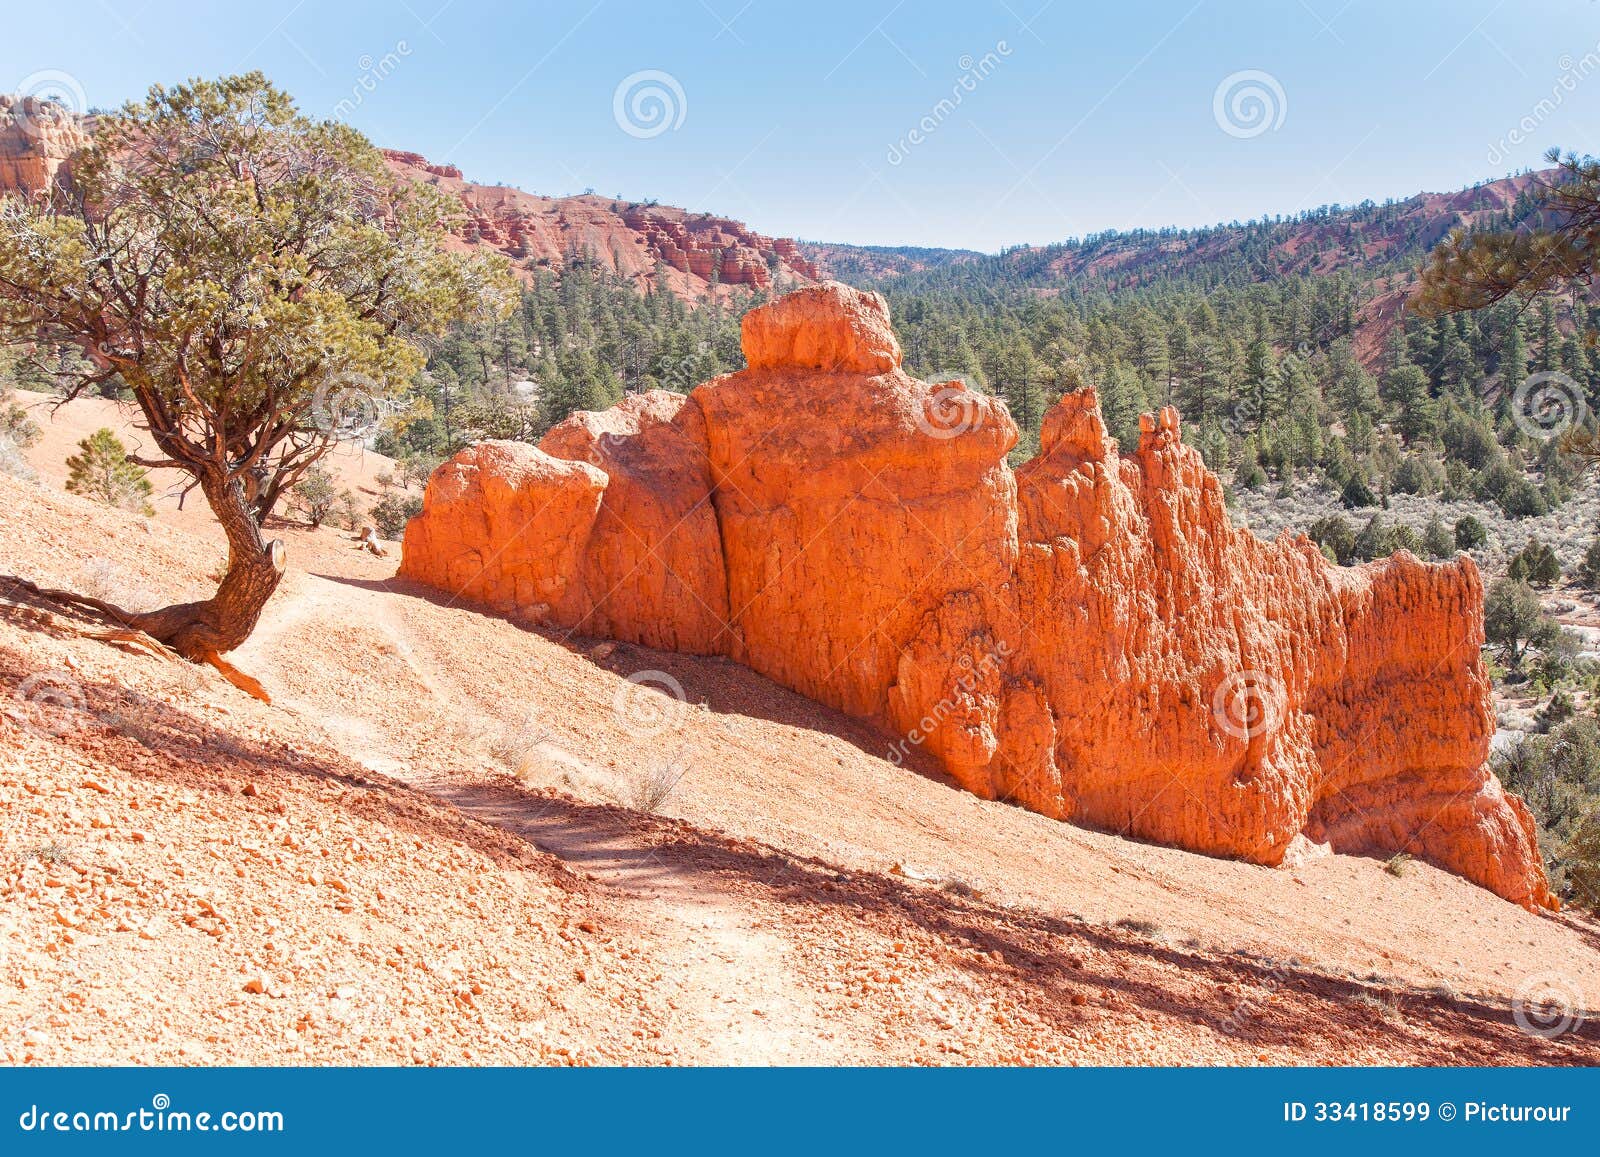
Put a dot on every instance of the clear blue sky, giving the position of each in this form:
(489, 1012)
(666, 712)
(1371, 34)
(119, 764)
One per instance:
(1091, 115)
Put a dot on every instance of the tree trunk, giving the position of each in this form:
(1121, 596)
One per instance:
(204, 630)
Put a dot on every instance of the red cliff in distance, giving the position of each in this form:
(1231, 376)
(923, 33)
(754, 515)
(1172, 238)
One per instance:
(697, 254)
(1087, 636)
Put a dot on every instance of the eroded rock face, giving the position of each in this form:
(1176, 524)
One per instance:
(607, 528)
(37, 139)
(651, 570)
(505, 524)
(695, 254)
(1087, 636)
(830, 328)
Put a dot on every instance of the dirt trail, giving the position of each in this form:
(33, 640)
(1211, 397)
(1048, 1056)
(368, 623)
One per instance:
(733, 999)
(730, 978)
(772, 766)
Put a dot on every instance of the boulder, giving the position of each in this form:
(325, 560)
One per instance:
(830, 328)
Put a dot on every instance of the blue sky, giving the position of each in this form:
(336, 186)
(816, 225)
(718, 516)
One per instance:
(798, 118)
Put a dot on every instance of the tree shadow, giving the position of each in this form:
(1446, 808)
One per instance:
(724, 687)
(1269, 1002)
(146, 737)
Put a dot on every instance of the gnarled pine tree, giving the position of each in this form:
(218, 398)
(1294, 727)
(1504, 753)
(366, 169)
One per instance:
(1555, 249)
(254, 278)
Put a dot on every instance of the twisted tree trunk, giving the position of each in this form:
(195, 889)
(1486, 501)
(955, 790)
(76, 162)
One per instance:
(203, 631)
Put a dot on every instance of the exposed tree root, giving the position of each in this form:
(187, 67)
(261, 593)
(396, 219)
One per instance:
(125, 633)
(135, 641)
(124, 620)
(249, 685)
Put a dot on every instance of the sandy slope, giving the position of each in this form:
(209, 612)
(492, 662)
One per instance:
(796, 899)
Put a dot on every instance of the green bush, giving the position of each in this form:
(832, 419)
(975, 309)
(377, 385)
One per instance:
(1579, 863)
(391, 513)
(314, 496)
(1419, 474)
(1436, 540)
(1469, 441)
(416, 469)
(1515, 623)
(347, 510)
(1535, 564)
(1589, 568)
(1560, 709)
(1558, 777)
(1336, 537)
(1376, 540)
(1249, 475)
(1470, 533)
(1522, 499)
(1357, 493)
(15, 424)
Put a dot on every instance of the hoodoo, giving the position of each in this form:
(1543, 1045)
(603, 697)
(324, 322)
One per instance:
(1087, 636)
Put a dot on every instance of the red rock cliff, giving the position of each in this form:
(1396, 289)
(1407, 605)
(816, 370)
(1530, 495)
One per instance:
(696, 255)
(37, 139)
(1087, 636)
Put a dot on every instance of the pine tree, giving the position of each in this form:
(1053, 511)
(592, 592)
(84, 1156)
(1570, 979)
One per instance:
(101, 470)
(1549, 338)
(1513, 354)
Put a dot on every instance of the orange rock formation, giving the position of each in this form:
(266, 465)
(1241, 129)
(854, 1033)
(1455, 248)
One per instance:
(1087, 636)
(37, 139)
